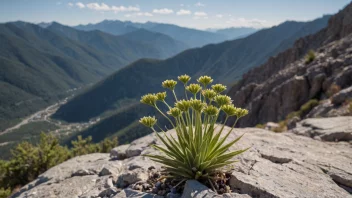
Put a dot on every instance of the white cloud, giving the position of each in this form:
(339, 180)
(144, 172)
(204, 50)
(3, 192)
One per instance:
(219, 16)
(80, 5)
(163, 11)
(70, 4)
(105, 7)
(145, 14)
(184, 12)
(125, 9)
(199, 4)
(98, 7)
(242, 22)
(200, 14)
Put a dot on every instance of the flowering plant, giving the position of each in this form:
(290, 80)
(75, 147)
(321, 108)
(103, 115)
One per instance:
(199, 150)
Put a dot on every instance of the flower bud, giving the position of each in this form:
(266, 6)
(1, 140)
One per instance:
(211, 110)
(209, 93)
(197, 105)
(148, 121)
(149, 99)
(222, 100)
(218, 88)
(205, 80)
(194, 88)
(175, 112)
(183, 105)
(169, 84)
(161, 96)
(184, 78)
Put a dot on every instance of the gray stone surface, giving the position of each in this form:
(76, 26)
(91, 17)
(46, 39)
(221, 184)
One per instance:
(135, 194)
(276, 165)
(137, 146)
(119, 152)
(327, 129)
(194, 189)
(342, 96)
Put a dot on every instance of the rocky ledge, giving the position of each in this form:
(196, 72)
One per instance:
(299, 163)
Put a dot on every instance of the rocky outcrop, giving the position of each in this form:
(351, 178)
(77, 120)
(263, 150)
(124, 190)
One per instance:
(276, 165)
(285, 82)
(326, 129)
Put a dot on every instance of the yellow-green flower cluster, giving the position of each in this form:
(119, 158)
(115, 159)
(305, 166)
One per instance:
(231, 110)
(194, 88)
(148, 121)
(205, 80)
(183, 105)
(222, 100)
(209, 93)
(175, 112)
(197, 105)
(218, 88)
(211, 110)
(184, 78)
(149, 99)
(169, 84)
(161, 96)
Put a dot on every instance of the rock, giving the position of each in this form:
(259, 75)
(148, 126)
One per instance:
(131, 177)
(137, 146)
(119, 152)
(109, 192)
(291, 123)
(271, 126)
(327, 129)
(194, 189)
(277, 165)
(342, 96)
(135, 194)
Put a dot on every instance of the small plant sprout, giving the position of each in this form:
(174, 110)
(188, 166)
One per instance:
(199, 149)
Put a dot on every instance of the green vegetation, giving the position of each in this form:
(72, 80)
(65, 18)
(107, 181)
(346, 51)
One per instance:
(5, 193)
(333, 89)
(28, 161)
(199, 149)
(260, 126)
(310, 57)
(305, 109)
(40, 65)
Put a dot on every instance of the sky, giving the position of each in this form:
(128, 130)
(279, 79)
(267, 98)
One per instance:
(199, 14)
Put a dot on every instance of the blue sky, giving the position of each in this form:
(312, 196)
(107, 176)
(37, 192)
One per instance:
(196, 14)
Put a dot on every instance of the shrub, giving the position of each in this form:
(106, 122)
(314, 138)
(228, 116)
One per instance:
(310, 57)
(4, 193)
(199, 150)
(261, 126)
(333, 89)
(29, 161)
(305, 109)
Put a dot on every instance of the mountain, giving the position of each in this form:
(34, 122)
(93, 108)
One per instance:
(287, 83)
(166, 44)
(226, 62)
(236, 32)
(39, 65)
(191, 37)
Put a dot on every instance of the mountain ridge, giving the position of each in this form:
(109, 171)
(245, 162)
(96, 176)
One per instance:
(145, 75)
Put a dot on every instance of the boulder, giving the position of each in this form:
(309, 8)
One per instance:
(342, 96)
(327, 129)
(276, 165)
(137, 146)
(194, 189)
(135, 194)
(119, 152)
